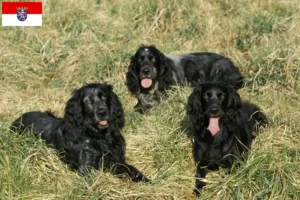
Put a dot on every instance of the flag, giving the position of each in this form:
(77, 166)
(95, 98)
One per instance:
(21, 13)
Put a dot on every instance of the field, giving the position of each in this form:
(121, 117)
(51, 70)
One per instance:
(85, 41)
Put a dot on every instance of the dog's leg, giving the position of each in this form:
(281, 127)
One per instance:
(200, 174)
(86, 161)
(129, 171)
(158, 95)
(147, 100)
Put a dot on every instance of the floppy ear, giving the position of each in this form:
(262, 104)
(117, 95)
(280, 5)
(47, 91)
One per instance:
(161, 62)
(194, 102)
(115, 110)
(194, 109)
(165, 77)
(132, 80)
(73, 119)
(234, 99)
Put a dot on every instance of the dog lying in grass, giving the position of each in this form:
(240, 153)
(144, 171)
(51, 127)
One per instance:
(151, 72)
(88, 136)
(222, 127)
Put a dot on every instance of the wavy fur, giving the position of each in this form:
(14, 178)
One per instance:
(237, 122)
(89, 134)
(193, 68)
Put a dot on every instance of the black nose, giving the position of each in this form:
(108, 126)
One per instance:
(101, 112)
(146, 71)
(214, 110)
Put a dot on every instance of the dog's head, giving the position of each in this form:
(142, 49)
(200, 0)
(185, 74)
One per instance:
(210, 102)
(95, 106)
(145, 66)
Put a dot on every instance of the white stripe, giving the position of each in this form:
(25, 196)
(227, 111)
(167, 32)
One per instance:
(12, 20)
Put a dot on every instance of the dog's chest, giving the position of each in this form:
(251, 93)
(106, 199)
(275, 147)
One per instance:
(213, 153)
(103, 145)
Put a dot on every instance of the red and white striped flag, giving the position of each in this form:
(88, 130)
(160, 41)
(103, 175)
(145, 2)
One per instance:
(21, 13)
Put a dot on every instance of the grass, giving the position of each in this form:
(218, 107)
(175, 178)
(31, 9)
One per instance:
(92, 41)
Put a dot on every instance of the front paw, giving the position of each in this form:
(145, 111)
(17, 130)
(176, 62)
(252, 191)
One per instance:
(141, 178)
(147, 100)
(197, 192)
(158, 95)
(198, 188)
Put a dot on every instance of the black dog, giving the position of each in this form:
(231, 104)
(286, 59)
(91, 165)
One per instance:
(89, 134)
(222, 127)
(151, 72)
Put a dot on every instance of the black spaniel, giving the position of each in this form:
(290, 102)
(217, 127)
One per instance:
(151, 72)
(88, 136)
(222, 127)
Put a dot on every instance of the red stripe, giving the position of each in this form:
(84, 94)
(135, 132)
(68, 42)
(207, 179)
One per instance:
(11, 7)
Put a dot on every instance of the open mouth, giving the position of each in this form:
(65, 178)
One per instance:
(102, 124)
(213, 126)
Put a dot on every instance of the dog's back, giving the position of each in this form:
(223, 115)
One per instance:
(207, 67)
(44, 123)
(253, 117)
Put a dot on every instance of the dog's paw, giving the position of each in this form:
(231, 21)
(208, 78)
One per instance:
(197, 192)
(141, 178)
(147, 100)
(198, 187)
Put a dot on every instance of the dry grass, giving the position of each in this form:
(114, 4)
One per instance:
(91, 41)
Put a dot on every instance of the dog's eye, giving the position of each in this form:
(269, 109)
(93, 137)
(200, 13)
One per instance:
(89, 101)
(103, 98)
(205, 96)
(153, 60)
(222, 97)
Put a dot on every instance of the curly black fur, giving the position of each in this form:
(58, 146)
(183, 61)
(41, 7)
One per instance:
(237, 121)
(88, 136)
(167, 70)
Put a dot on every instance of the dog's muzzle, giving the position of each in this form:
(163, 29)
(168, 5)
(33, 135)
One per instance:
(214, 110)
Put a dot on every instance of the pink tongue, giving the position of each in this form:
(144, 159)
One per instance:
(104, 122)
(213, 126)
(146, 82)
